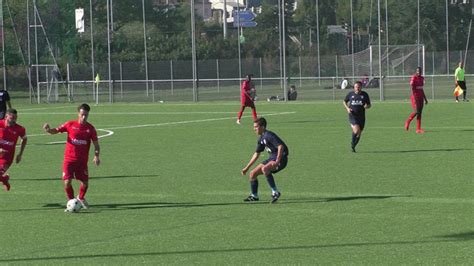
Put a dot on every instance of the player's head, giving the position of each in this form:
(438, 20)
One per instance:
(10, 116)
(249, 77)
(357, 86)
(83, 113)
(461, 64)
(260, 125)
(419, 71)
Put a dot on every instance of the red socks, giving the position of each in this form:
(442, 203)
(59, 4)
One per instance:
(418, 122)
(82, 191)
(69, 192)
(254, 114)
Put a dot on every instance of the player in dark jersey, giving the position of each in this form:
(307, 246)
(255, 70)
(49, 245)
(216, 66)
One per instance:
(355, 103)
(4, 103)
(276, 162)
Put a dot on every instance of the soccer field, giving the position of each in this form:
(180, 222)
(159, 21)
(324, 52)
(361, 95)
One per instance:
(169, 190)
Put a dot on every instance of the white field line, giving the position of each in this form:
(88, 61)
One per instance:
(133, 113)
(108, 133)
(192, 121)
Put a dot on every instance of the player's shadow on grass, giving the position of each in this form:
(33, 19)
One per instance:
(92, 178)
(157, 205)
(453, 238)
(421, 150)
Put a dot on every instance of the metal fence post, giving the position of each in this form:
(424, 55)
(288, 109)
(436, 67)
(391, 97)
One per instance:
(153, 90)
(172, 78)
(121, 80)
(217, 75)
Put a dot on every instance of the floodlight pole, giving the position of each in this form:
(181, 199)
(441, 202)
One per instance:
(3, 47)
(418, 25)
(317, 38)
(193, 47)
(447, 38)
(108, 51)
(224, 18)
(352, 43)
(145, 47)
(285, 82)
(380, 55)
(92, 50)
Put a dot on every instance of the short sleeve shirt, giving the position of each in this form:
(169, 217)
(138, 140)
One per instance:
(79, 137)
(8, 139)
(270, 141)
(357, 101)
(459, 74)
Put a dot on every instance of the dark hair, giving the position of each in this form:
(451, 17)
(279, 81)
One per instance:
(249, 76)
(84, 107)
(261, 122)
(12, 111)
(358, 82)
(420, 68)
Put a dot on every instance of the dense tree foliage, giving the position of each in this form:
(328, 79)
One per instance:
(168, 29)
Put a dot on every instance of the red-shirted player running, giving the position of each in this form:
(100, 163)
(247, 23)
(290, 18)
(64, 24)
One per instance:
(246, 99)
(417, 98)
(80, 133)
(10, 131)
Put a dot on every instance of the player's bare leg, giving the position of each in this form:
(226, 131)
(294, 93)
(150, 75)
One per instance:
(356, 133)
(267, 171)
(239, 115)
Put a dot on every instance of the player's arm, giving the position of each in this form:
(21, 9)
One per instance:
(96, 159)
(50, 130)
(367, 104)
(251, 162)
(24, 140)
(9, 104)
(279, 154)
(346, 106)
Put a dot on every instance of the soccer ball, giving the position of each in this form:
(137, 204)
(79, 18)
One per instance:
(73, 205)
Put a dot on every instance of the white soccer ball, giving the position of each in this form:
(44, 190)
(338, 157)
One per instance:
(73, 205)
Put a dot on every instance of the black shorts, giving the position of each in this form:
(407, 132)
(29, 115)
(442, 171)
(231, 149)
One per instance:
(462, 84)
(281, 166)
(357, 120)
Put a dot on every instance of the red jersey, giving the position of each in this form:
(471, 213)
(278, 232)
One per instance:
(246, 87)
(78, 141)
(416, 84)
(8, 139)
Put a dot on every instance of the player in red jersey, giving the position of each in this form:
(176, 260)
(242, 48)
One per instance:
(10, 131)
(417, 98)
(246, 99)
(80, 134)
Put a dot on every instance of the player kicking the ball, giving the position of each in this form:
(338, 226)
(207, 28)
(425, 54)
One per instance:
(80, 134)
(275, 163)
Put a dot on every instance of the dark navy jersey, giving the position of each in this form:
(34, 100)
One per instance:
(4, 97)
(357, 102)
(271, 141)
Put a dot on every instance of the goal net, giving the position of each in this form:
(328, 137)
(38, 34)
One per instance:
(395, 60)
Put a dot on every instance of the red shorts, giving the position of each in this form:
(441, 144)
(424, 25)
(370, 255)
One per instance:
(417, 102)
(76, 170)
(247, 103)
